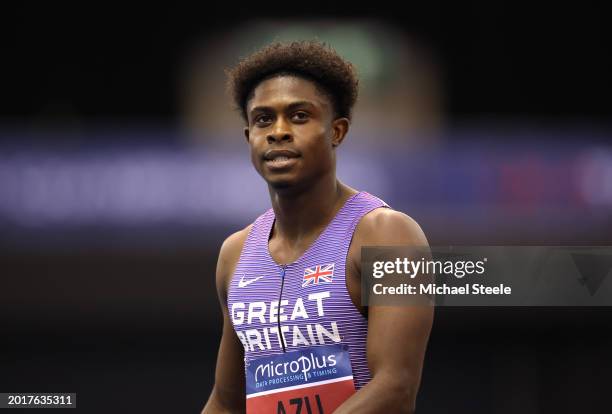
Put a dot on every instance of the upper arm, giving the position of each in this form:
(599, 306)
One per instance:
(228, 394)
(397, 335)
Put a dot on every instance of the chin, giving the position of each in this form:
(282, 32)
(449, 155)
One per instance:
(280, 184)
(283, 183)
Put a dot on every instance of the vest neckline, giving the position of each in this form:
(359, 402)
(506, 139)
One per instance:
(270, 226)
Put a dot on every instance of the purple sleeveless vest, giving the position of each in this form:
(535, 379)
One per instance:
(276, 309)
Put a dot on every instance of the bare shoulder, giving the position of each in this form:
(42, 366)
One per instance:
(386, 226)
(383, 227)
(228, 258)
(232, 246)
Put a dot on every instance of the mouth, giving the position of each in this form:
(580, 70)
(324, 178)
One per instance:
(280, 159)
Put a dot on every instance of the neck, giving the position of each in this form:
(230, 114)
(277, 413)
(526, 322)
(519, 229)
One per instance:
(301, 213)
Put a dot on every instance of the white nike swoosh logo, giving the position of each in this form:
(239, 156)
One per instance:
(243, 283)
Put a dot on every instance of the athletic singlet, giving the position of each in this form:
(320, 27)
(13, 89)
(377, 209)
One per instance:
(315, 305)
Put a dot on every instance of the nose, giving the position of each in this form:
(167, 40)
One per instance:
(280, 132)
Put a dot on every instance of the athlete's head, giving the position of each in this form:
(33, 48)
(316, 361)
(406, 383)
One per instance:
(296, 99)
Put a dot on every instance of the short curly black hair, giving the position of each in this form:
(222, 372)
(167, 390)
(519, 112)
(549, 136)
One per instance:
(312, 60)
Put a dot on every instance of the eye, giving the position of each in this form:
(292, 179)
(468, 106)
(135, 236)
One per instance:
(263, 120)
(300, 116)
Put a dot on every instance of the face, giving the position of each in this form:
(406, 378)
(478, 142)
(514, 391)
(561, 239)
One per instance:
(292, 132)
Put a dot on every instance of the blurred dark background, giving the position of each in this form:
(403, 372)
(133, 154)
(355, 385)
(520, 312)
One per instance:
(123, 168)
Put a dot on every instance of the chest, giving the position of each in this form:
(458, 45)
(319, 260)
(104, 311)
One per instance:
(282, 252)
(314, 290)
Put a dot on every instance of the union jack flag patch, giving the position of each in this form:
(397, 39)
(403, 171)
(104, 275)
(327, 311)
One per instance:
(318, 274)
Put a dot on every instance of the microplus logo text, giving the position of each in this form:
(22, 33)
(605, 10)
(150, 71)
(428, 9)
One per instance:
(303, 364)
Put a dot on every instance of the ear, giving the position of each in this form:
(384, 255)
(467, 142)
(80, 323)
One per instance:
(340, 127)
(246, 133)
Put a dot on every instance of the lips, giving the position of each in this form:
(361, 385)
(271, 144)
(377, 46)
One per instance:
(275, 153)
(280, 159)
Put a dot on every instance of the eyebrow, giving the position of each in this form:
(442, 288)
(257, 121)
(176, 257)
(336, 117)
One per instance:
(291, 106)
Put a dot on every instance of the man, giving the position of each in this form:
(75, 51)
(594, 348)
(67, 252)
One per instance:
(295, 335)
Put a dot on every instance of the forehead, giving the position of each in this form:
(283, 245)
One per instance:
(281, 91)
